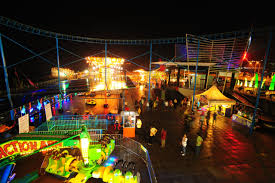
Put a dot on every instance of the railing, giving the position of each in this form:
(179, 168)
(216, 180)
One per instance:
(139, 150)
(71, 122)
(128, 144)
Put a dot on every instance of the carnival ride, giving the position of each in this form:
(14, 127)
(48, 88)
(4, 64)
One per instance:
(75, 158)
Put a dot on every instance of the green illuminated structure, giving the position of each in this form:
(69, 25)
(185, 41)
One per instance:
(271, 86)
(67, 156)
(256, 80)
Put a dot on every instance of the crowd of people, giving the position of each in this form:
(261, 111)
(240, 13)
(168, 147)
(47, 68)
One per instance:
(184, 106)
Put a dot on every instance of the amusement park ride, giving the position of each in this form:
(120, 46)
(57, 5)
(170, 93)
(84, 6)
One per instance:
(75, 158)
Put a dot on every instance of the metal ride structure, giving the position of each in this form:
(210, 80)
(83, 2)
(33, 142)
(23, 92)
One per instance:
(145, 42)
(65, 155)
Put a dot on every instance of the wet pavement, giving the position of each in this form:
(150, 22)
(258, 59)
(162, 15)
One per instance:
(228, 153)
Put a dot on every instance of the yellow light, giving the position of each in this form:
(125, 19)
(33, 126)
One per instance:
(139, 123)
(263, 82)
(84, 142)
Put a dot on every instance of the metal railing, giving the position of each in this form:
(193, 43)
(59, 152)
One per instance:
(139, 150)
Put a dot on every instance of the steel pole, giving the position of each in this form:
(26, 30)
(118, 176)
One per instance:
(198, 52)
(106, 66)
(150, 72)
(5, 72)
(260, 86)
(58, 65)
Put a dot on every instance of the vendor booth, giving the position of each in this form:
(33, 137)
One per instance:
(214, 100)
(129, 123)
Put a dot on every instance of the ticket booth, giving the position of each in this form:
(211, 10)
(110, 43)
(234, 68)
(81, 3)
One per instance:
(129, 123)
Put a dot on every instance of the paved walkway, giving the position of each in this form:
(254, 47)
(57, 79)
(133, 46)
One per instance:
(228, 154)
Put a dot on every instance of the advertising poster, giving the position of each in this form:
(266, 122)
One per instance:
(23, 123)
(48, 111)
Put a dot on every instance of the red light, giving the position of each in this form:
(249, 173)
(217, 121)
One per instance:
(244, 56)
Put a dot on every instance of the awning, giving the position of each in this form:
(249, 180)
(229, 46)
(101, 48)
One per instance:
(185, 63)
(215, 97)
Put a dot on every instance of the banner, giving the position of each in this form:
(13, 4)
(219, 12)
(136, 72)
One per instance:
(48, 111)
(23, 123)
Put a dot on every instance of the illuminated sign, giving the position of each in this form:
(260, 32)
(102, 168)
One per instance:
(24, 147)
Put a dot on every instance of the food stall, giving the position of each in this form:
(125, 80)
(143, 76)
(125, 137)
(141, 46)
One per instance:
(214, 100)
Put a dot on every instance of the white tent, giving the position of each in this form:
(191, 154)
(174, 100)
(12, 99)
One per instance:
(215, 97)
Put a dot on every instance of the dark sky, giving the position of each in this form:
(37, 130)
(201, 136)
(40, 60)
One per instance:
(133, 27)
(117, 27)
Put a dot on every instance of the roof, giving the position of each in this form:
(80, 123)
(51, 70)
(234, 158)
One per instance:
(214, 96)
(185, 63)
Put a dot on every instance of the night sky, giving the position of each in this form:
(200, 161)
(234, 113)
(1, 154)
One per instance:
(115, 27)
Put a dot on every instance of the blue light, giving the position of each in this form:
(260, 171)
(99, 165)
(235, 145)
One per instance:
(112, 159)
(39, 106)
(23, 110)
(31, 110)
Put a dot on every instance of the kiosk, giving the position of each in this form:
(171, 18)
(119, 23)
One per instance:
(129, 123)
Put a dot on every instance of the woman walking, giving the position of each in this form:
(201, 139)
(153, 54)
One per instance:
(184, 144)
(163, 137)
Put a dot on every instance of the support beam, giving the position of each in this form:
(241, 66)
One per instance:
(259, 87)
(198, 51)
(149, 89)
(5, 72)
(206, 78)
(178, 77)
(106, 66)
(58, 65)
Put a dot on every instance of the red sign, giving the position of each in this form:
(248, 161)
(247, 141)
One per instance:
(24, 147)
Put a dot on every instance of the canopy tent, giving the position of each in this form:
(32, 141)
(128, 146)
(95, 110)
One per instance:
(215, 97)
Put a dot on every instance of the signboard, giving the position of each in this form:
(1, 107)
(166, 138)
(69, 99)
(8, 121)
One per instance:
(48, 111)
(24, 147)
(23, 123)
(241, 120)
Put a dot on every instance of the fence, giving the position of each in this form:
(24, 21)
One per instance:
(71, 122)
(139, 150)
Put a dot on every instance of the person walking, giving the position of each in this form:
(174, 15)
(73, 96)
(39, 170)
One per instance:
(202, 118)
(148, 106)
(207, 117)
(184, 144)
(198, 144)
(214, 117)
(153, 132)
(166, 105)
(163, 137)
(175, 103)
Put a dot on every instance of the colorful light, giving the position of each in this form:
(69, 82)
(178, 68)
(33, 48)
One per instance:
(84, 142)
(39, 106)
(256, 80)
(244, 56)
(245, 82)
(23, 110)
(271, 87)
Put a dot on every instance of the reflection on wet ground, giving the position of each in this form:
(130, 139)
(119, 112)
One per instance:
(228, 153)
